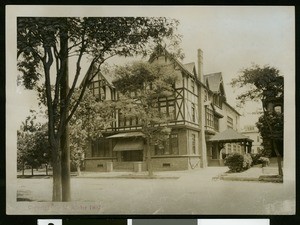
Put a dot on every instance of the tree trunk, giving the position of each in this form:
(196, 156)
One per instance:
(279, 158)
(149, 163)
(78, 170)
(46, 169)
(23, 169)
(65, 144)
(31, 170)
(56, 165)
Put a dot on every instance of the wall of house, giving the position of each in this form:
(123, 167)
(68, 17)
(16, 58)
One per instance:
(229, 112)
(98, 164)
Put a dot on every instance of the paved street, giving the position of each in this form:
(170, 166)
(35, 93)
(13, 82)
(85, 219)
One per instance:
(192, 192)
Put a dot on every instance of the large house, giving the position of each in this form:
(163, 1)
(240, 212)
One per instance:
(199, 111)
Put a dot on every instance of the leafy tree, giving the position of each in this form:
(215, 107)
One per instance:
(265, 84)
(44, 46)
(32, 144)
(274, 120)
(142, 84)
(90, 119)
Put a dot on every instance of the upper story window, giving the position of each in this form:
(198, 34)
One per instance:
(209, 118)
(167, 108)
(193, 86)
(205, 95)
(229, 122)
(216, 123)
(103, 93)
(193, 113)
(98, 89)
(217, 100)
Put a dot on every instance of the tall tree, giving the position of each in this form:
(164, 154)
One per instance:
(42, 53)
(142, 85)
(265, 84)
(90, 119)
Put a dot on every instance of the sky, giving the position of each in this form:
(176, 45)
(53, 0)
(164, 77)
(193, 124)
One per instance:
(231, 38)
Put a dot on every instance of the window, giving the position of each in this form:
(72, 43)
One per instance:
(193, 86)
(101, 148)
(205, 96)
(229, 122)
(167, 108)
(168, 147)
(134, 121)
(95, 88)
(99, 90)
(121, 120)
(103, 93)
(216, 123)
(193, 112)
(171, 109)
(209, 118)
(217, 100)
(229, 148)
(234, 147)
(174, 144)
(193, 143)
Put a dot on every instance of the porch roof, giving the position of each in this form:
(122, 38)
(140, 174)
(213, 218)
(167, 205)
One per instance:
(127, 135)
(129, 145)
(229, 135)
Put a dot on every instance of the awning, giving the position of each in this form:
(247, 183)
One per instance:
(129, 145)
(127, 135)
(229, 135)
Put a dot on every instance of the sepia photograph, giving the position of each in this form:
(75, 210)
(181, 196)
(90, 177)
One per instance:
(152, 110)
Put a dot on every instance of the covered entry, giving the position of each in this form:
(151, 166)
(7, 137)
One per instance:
(218, 141)
(129, 146)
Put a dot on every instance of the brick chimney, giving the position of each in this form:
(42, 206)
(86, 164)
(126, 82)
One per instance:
(200, 65)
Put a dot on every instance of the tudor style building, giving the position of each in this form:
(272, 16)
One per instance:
(199, 111)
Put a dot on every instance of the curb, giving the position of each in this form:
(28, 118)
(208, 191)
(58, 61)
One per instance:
(128, 177)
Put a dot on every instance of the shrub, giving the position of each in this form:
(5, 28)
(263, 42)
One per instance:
(264, 161)
(247, 161)
(237, 162)
(255, 158)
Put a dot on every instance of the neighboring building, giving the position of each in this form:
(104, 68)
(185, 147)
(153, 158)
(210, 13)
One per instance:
(251, 131)
(199, 110)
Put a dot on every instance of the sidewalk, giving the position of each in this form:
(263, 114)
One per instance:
(266, 174)
(133, 175)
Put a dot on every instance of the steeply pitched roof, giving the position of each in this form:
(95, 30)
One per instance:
(160, 50)
(190, 67)
(214, 80)
(109, 78)
(228, 135)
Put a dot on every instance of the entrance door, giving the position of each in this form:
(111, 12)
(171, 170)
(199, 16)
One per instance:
(130, 156)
